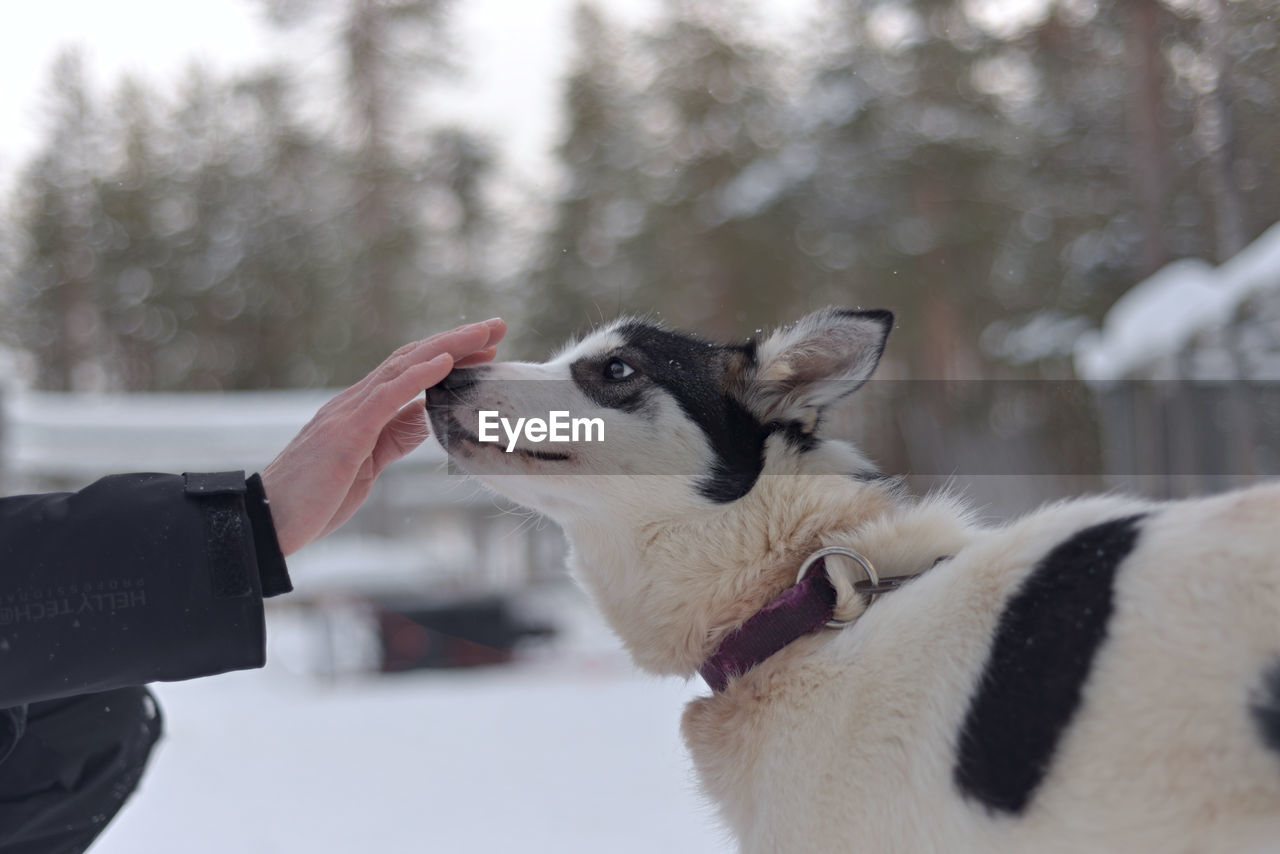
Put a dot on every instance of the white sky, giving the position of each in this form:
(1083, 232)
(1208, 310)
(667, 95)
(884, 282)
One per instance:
(155, 38)
(512, 52)
(512, 99)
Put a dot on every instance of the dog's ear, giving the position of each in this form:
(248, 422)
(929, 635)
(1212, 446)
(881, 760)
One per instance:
(801, 369)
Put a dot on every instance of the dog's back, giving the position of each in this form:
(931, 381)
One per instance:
(1103, 675)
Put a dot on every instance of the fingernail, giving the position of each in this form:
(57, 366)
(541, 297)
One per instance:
(492, 321)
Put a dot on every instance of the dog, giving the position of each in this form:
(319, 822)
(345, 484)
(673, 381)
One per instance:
(1100, 675)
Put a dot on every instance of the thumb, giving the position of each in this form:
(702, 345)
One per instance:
(402, 434)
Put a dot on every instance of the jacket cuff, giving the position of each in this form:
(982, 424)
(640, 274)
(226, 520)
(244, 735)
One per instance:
(133, 579)
(272, 571)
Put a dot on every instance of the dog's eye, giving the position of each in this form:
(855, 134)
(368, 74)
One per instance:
(615, 369)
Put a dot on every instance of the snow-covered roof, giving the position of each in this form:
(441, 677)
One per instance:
(84, 436)
(1161, 315)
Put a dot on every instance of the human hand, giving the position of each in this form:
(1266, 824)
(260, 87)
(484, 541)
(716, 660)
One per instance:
(319, 480)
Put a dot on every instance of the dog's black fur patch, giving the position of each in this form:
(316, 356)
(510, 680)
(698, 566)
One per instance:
(1266, 708)
(692, 371)
(701, 376)
(1034, 678)
(798, 438)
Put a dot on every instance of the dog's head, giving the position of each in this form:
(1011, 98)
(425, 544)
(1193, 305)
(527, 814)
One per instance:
(633, 400)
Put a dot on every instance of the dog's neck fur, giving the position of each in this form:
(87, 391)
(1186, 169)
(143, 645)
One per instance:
(672, 587)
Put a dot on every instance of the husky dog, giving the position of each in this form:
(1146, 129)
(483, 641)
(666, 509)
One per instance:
(1101, 675)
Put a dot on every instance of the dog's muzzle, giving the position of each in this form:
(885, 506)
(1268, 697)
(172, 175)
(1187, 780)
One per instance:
(453, 387)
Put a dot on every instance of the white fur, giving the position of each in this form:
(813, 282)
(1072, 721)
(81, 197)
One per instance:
(845, 740)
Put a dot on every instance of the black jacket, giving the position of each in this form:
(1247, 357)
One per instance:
(134, 579)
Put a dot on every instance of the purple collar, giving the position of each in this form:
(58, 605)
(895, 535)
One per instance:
(799, 610)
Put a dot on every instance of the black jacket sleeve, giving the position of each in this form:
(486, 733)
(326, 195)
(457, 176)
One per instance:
(135, 578)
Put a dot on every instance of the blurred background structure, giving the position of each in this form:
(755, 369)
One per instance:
(1069, 205)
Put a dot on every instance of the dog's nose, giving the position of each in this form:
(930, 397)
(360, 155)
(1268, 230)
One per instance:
(458, 380)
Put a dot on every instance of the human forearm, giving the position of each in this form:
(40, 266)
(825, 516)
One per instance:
(135, 578)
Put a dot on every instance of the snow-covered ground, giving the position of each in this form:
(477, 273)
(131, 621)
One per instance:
(569, 750)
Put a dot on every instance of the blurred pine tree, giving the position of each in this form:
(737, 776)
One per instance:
(216, 239)
(56, 283)
(996, 175)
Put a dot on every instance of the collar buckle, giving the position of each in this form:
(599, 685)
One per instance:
(871, 586)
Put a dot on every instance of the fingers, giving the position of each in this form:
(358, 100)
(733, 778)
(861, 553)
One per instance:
(386, 400)
(485, 355)
(376, 399)
(497, 330)
(455, 339)
(495, 327)
(458, 343)
(425, 375)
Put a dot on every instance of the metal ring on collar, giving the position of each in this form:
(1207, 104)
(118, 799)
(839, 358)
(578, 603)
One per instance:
(843, 552)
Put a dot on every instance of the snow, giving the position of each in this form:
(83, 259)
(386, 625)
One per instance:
(1046, 335)
(1163, 314)
(570, 751)
(371, 565)
(1254, 270)
(1157, 316)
